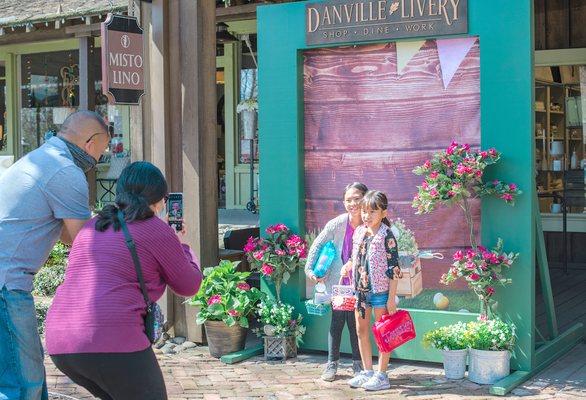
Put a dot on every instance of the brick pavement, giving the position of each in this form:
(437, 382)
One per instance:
(193, 374)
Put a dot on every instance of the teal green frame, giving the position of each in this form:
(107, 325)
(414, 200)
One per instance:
(506, 80)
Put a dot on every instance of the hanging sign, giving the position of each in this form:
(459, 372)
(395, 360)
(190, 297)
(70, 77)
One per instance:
(122, 59)
(336, 21)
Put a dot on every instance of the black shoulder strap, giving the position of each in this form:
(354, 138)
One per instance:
(131, 246)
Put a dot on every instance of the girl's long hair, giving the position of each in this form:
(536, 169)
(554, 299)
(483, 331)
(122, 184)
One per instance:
(140, 184)
(376, 200)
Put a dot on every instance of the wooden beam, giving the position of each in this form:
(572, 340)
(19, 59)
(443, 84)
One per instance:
(87, 95)
(36, 36)
(84, 30)
(236, 13)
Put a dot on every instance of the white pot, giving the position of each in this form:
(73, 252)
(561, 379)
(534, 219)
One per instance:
(455, 363)
(488, 367)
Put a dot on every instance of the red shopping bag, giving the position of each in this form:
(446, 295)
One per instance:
(343, 296)
(391, 331)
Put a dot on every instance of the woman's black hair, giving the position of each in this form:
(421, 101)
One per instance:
(376, 200)
(361, 187)
(140, 184)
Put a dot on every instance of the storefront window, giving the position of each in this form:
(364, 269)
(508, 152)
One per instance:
(50, 92)
(560, 116)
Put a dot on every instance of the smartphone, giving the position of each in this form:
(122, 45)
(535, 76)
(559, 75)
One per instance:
(175, 210)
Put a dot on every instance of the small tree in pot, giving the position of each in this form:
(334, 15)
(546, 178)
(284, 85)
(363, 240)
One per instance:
(226, 303)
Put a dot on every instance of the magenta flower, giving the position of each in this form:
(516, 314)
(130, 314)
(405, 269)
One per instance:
(434, 193)
(258, 255)
(489, 291)
(512, 187)
(459, 255)
(451, 193)
(280, 252)
(233, 313)
(496, 182)
(267, 269)
(483, 154)
(243, 286)
(470, 266)
(474, 276)
(250, 245)
(507, 197)
(425, 185)
(215, 299)
(456, 186)
(492, 152)
(433, 174)
(427, 164)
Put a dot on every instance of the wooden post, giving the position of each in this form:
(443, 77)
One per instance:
(136, 112)
(197, 113)
(87, 94)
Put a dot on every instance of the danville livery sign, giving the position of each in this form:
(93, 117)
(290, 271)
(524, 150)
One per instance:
(338, 21)
(122, 59)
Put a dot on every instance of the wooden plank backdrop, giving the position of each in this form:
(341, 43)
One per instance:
(364, 122)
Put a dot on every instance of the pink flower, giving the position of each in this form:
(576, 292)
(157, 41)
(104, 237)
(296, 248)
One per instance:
(459, 255)
(470, 254)
(492, 152)
(507, 197)
(267, 269)
(250, 245)
(512, 187)
(243, 286)
(433, 174)
(427, 164)
(470, 266)
(456, 186)
(233, 313)
(489, 291)
(474, 276)
(258, 255)
(425, 185)
(276, 228)
(451, 193)
(447, 163)
(215, 299)
(466, 147)
(482, 249)
(454, 272)
(461, 169)
(416, 197)
(280, 252)
(478, 173)
(496, 182)
(434, 193)
(483, 154)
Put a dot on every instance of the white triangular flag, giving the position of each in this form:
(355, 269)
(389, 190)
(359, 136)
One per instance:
(451, 54)
(405, 52)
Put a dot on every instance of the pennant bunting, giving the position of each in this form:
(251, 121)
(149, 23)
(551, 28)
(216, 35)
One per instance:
(451, 54)
(405, 52)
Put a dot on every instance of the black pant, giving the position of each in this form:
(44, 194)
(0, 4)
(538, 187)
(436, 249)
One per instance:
(115, 376)
(339, 319)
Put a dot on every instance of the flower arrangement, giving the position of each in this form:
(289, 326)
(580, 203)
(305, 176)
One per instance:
(451, 337)
(482, 269)
(278, 320)
(406, 242)
(225, 296)
(277, 255)
(250, 104)
(492, 335)
(454, 176)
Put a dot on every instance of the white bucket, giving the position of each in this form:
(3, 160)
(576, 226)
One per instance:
(488, 367)
(455, 363)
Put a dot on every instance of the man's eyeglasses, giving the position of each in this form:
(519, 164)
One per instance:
(99, 133)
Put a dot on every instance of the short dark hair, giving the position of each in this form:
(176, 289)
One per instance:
(361, 187)
(140, 185)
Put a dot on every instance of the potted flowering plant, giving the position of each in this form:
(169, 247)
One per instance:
(282, 332)
(483, 271)
(452, 342)
(226, 303)
(490, 342)
(277, 255)
(454, 177)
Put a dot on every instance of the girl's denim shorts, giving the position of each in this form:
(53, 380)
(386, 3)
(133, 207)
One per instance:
(377, 300)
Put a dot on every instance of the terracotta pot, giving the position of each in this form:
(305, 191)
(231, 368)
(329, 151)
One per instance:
(224, 339)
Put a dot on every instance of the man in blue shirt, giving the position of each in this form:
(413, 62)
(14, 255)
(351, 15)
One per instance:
(43, 197)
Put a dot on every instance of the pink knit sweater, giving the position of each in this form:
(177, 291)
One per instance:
(99, 308)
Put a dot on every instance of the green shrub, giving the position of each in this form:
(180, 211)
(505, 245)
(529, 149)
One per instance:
(51, 275)
(451, 337)
(41, 307)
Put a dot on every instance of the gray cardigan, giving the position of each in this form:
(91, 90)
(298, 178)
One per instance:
(335, 230)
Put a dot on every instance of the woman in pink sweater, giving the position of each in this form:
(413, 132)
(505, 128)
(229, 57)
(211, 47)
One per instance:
(95, 331)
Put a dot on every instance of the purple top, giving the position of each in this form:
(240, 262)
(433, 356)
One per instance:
(347, 245)
(99, 308)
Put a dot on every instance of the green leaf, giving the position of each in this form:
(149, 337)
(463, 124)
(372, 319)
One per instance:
(243, 322)
(286, 277)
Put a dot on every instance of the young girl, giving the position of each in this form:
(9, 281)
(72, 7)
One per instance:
(375, 270)
(340, 231)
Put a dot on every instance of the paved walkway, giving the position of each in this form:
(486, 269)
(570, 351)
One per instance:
(193, 374)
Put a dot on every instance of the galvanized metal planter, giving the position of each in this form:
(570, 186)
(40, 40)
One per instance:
(455, 363)
(488, 367)
(224, 339)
